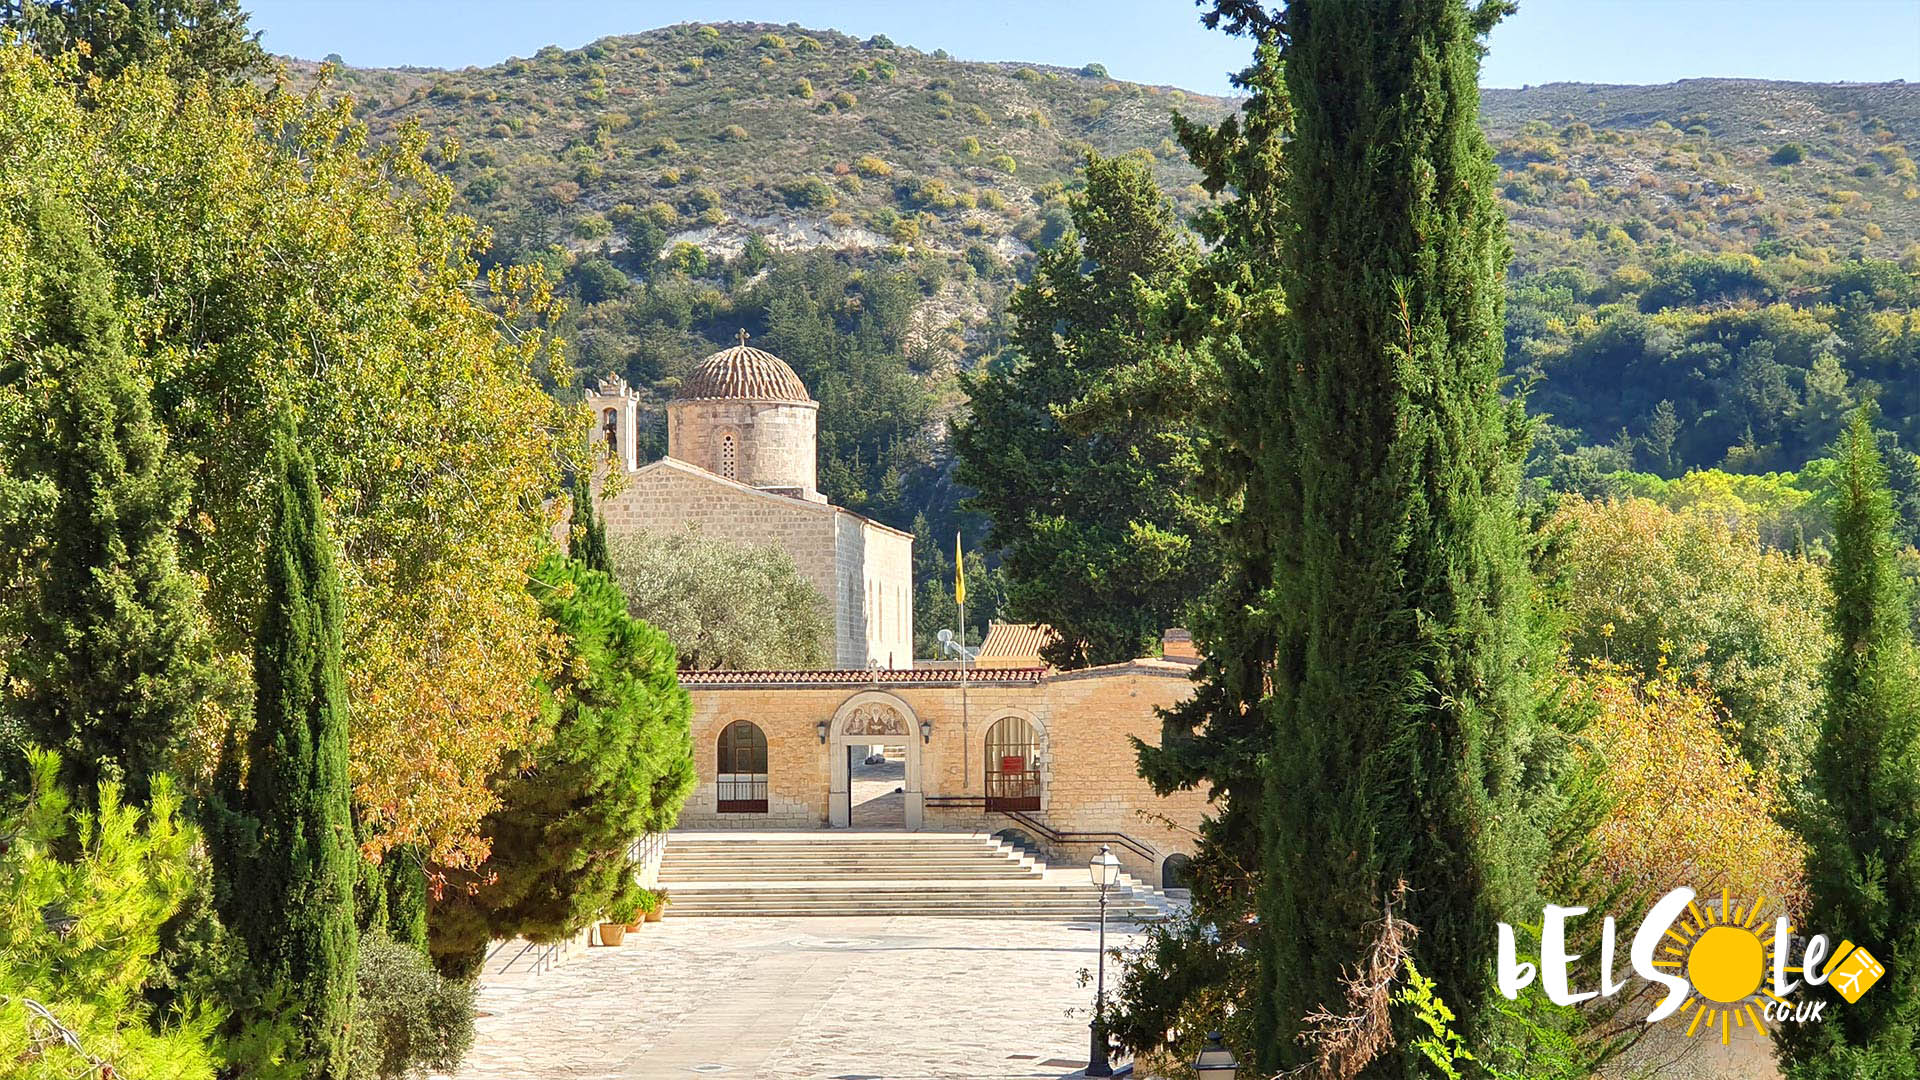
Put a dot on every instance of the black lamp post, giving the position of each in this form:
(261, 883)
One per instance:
(1105, 871)
(1215, 1062)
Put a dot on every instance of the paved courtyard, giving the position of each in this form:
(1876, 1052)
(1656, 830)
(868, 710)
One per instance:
(801, 999)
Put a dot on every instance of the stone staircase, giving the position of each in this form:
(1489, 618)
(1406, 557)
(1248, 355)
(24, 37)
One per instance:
(844, 872)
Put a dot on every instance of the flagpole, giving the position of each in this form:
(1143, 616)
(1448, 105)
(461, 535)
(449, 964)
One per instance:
(960, 598)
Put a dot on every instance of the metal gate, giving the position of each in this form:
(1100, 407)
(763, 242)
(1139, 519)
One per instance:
(740, 770)
(1013, 773)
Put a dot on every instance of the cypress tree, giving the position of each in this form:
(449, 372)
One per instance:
(1861, 827)
(110, 665)
(284, 838)
(1406, 654)
(587, 538)
(1216, 739)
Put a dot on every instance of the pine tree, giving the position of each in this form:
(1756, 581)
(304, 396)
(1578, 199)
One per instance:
(1100, 537)
(1862, 831)
(283, 839)
(110, 667)
(1404, 679)
(619, 765)
(207, 36)
(80, 937)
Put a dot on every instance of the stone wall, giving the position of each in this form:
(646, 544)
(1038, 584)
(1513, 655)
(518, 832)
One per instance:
(876, 575)
(1083, 721)
(853, 562)
(774, 442)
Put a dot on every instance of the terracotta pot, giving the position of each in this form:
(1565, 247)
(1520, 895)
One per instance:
(612, 933)
(654, 915)
(634, 926)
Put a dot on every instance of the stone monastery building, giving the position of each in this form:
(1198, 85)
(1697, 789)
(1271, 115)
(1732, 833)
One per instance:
(740, 464)
(878, 742)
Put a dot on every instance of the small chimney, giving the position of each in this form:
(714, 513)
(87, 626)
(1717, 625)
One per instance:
(1177, 644)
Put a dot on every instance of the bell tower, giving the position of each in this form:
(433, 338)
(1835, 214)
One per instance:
(616, 421)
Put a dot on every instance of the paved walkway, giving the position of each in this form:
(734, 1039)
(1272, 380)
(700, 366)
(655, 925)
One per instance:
(878, 801)
(801, 999)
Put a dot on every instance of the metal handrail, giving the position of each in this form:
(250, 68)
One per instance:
(1055, 836)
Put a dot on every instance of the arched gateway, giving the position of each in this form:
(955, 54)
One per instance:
(873, 718)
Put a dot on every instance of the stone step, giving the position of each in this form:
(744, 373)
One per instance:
(928, 911)
(878, 874)
(934, 869)
(821, 871)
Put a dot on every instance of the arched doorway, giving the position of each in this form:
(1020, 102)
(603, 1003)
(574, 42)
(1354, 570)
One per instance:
(740, 769)
(868, 720)
(1174, 873)
(1013, 766)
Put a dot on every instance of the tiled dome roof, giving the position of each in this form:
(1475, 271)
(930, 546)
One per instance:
(743, 372)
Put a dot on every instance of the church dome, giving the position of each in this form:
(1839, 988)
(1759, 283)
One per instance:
(743, 373)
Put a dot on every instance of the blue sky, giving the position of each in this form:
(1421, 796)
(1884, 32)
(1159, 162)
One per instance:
(1154, 41)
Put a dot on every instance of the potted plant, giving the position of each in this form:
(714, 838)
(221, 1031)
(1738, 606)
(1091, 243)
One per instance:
(634, 907)
(654, 905)
(626, 906)
(613, 933)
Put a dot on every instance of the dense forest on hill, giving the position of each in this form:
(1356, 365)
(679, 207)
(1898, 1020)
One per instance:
(1707, 274)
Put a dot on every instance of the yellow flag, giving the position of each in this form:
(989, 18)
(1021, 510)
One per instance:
(959, 573)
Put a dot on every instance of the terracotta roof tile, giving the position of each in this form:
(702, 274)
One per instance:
(861, 677)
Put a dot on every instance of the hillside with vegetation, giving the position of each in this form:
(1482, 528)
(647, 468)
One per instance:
(1706, 274)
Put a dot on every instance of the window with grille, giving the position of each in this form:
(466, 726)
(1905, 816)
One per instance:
(727, 455)
(740, 769)
(1013, 776)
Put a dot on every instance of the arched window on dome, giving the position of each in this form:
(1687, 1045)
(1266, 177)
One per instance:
(728, 457)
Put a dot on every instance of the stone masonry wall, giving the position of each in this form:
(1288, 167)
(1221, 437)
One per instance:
(863, 569)
(1083, 721)
(774, 443)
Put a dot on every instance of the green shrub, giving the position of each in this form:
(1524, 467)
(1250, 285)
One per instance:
(810, 193)
(802, 88)
(1095, 71)
(688, 259)
(1003, 162)
(1027, 74)
(733, 133)
(1789, 154)
(868, 165)
(407, 1019)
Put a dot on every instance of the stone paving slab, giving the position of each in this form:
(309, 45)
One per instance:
(891, 998)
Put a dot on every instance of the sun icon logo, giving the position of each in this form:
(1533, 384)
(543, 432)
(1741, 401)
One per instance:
(1726, 961)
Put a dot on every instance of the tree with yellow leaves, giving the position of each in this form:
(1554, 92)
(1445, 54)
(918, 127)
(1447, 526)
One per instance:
(1686, 808)
(266, 261)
